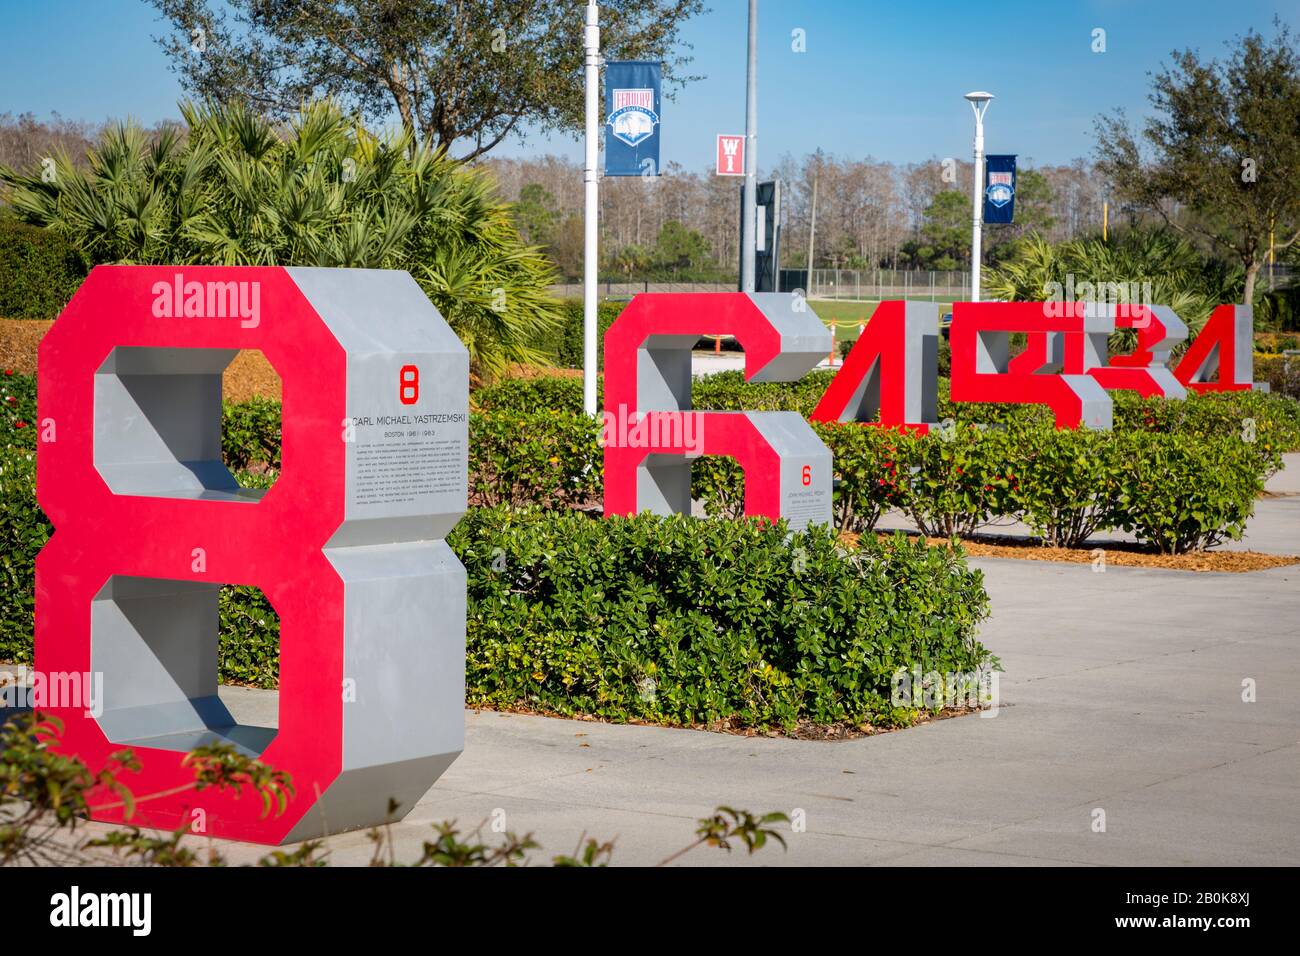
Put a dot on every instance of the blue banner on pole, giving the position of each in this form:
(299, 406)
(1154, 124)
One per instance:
(632, 91)
(999, 188)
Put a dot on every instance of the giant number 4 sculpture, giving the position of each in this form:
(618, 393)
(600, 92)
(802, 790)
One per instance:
(347, 545)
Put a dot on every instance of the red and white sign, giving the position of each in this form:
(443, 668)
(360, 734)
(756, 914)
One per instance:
(731, 155)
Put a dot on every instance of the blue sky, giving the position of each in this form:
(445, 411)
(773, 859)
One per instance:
(878, 79)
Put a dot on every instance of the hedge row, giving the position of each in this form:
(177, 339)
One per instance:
(673, 620)
(1276, 418)
(1173, 492)
(39, 271)
(691, 621)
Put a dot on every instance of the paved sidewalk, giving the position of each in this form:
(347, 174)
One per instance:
(1122, 692)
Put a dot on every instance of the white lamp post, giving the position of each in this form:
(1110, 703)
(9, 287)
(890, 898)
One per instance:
(979, 102)
(591, 47)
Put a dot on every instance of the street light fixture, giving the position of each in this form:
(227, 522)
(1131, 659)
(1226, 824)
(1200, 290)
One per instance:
(979, 102)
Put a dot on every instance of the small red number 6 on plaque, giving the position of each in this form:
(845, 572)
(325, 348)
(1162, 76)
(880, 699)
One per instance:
(807, 475)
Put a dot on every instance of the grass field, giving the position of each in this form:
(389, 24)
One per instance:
(848, 315)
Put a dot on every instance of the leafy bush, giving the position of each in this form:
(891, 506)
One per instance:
(1281, 373)
(719, 483)
(957, 478)
(1063, 483)
(1181, 493)
(1269, 423)
(23, 532)
(557, 393)
(18, 426)
(552, 459)
(565, 343)
(692, 621)
(868, 481)
(249, 648)
(728, 391)
(39, 271)
(250, 433)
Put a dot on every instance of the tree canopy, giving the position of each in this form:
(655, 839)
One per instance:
(1222, 153)
(465, 72)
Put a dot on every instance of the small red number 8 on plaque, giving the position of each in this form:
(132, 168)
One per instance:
(409, 379)
(807, 475)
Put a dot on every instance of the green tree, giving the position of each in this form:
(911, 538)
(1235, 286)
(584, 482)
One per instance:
(234, 189)
(944, 240)
(1224, 149)
(536, 214)
(454, 71)
(679, 249)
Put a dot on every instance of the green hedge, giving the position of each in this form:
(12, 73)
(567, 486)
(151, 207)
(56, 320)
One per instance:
(1176, 492)
(565, 344)
(551, 459)
(17, 410)
(23, 532)
(691, 621)
(39, 271)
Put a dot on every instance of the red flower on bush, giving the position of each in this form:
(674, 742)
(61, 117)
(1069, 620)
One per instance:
(20, 424)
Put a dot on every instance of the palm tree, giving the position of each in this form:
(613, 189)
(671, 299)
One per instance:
(232, 188)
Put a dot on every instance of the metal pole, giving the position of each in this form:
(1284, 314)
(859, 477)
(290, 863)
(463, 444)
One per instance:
(979, 103)
(812, 229)
(591, 42)
(748, 232)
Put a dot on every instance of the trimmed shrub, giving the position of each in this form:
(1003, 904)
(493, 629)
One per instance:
(565, 343)
(1281, 373)
(694, 621)
(551, 459)
(250, 433)
(249, 648)
(556, 393)
(24, 530)
(718, 482)
(1269, 424)
(867, 472)
(39, 271)
(1183, 493)
(956, 478)
(1063, 482)
(728, 391)
(18, 425)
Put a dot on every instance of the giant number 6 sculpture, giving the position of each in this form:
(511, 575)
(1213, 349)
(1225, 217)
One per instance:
(347, 545)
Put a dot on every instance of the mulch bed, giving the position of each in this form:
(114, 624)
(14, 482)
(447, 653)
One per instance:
(249, 375)
(18, 341)
(1118, 553)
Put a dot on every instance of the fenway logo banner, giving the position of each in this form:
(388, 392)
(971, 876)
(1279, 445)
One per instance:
(999, 188)
(632, 118)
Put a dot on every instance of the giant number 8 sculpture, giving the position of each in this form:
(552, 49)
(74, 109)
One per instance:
(346, 545)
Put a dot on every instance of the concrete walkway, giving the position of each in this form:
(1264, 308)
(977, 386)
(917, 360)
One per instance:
(1122, 693)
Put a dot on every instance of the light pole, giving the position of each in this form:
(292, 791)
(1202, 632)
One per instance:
(591, 47)
(749, 227)
(979, 102)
